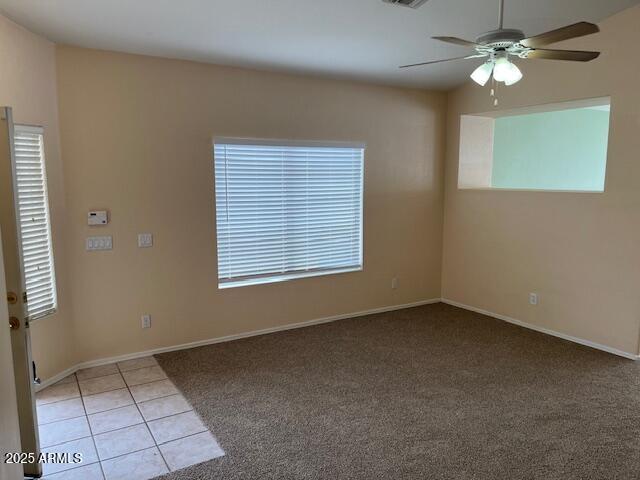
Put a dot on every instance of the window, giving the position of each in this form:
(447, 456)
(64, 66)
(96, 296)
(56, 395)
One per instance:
(287, 210)
(560, 147)
(34, 221)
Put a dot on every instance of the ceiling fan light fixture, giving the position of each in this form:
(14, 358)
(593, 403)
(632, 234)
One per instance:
(502, 69)
(482, 74)
(500, 45)
(514, 75)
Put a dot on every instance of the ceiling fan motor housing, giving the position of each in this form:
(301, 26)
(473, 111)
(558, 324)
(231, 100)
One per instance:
(503, 38)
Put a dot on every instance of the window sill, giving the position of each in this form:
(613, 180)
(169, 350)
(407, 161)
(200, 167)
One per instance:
(285, 277)
(43, 316)
(526, 190)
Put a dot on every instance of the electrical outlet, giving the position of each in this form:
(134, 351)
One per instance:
(394, 283)
(533, 299)
(146, 321)
(145, 240)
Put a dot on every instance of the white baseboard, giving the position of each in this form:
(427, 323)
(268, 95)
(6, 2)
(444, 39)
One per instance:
(318, 321)
(530, 326)
(228, 338)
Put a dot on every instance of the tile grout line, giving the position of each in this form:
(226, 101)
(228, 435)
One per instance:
(93, 439)
(127, 385)
(62, 399)
(163, 396)
(110, 409)
(144, 420)
(63, 419)
(100, 461)
(147, 383)
(136, 404)
(117, 366)
(206, 429)
(120, 428)
(164, 460)
(57, 401)
(177, 392)
(186, 436)
(157, 445)
(77, 466)
(116, 408)
(65, 400)
(128, 453)
(124, 406)
(66, 441)
(106, 391)
(78, 380)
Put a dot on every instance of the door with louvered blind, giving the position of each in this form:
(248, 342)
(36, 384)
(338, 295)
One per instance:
(23, 214)
(34, 221)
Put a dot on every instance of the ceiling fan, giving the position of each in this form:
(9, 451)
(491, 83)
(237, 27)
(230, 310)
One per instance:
(501, 44)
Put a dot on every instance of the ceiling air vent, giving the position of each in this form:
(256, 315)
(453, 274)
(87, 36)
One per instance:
(407, 3)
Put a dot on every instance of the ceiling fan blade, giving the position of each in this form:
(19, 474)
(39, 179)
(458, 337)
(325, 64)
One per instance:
(565, 33)
(456, 41)
(441, 61)
(570, 55)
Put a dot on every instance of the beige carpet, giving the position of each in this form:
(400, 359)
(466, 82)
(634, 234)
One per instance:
(431, 392)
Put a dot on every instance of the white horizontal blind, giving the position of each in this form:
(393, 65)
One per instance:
(286, 211)
(34, 222)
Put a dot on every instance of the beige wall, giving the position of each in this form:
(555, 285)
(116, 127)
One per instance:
(136, 137)
(28, 85)
(578, 251)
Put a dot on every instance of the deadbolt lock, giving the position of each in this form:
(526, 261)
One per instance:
(12, 298)
(14, 323)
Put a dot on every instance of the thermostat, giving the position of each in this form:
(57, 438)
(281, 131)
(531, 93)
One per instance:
(97, 217)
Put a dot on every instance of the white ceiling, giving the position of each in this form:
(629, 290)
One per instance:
(360, 39)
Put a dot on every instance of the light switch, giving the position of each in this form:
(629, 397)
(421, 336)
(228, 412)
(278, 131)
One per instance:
(99, 243)
(145, 240)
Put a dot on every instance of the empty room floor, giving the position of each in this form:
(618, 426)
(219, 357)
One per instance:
(430, 392)
(126, 419)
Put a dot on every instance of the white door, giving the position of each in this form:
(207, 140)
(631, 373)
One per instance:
(9, 429)
(13, 283)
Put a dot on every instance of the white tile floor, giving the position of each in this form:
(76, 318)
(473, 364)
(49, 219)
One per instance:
(127, 419)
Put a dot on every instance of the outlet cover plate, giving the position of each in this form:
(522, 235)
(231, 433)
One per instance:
(145, 240)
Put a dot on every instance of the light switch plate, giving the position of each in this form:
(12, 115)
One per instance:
(145, 240)
(99, 243)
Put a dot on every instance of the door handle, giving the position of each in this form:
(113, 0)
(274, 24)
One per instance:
(36, 379)
(14, 323)
(12, 298)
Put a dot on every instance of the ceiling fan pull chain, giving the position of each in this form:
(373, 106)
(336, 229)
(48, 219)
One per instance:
(494, 92)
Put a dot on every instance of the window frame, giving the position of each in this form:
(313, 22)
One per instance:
(36, 130)
(287, 276)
